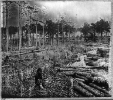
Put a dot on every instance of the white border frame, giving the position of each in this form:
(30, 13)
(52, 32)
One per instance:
(111, 56)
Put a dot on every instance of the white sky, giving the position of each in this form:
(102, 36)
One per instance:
(88, 10)
(83, 11)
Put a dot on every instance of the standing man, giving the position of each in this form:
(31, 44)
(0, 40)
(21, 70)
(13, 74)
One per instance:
(38, 78)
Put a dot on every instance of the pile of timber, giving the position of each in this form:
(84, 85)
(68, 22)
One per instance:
(87, 83)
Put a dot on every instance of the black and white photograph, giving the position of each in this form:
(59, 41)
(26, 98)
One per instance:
(55, 49)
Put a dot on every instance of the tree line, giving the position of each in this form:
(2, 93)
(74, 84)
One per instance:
(93, 30)
(59, 30)
(52, 30)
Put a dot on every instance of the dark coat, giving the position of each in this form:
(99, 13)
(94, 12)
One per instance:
(38, 75)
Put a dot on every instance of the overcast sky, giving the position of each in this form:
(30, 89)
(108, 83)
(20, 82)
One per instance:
(82, 10)
(78, 11)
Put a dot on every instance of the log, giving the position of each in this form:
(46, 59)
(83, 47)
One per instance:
(79, 79)
(94, 91)
(100, 81)
(82, 91)
(83, 74)
(77, 76)
(100, 89)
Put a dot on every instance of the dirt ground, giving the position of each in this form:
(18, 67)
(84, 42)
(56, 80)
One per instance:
(18, 73)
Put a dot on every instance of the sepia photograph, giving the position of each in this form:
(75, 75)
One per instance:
(55, 49)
